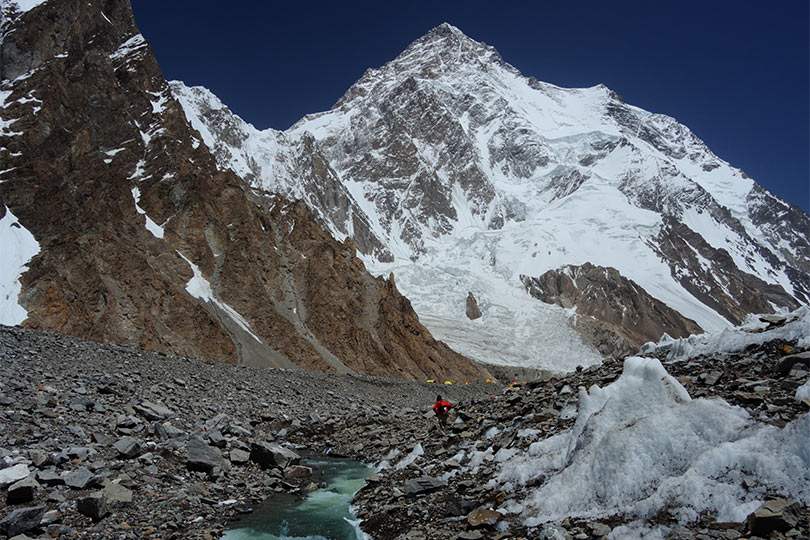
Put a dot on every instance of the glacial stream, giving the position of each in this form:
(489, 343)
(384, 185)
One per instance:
(324, 515)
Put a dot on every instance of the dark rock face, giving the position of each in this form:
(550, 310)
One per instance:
(317, 182)
(721, 286)
(231, 275)
(614, 313)
(782, 222)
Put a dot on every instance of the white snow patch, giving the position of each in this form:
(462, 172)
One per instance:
(415, 454)
(200, 288)
(151, 226)
(5, 125)
(803, 392)
(19, 247)
(110, 154)
(134, 43)
(386, 461)
(735, 339)
(140, 170)
(159, 105)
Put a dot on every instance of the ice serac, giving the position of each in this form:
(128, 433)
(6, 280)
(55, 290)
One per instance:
(461, 174)
(145, 240)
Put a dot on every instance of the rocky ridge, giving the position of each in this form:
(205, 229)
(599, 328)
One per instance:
(144, 240)
(613, 313)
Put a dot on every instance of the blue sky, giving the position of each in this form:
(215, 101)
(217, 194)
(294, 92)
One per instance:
(736, 73)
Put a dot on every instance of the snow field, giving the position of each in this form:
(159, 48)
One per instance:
(151, 226)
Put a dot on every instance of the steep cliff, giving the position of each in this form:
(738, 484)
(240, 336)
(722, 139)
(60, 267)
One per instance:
(144, 240)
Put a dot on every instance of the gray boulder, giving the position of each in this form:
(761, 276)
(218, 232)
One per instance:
(79, 479)
(93, 506)
(201, 456)
(269, 455)
(22, 520)
(128, 447)
(153, 411)
(294, 472)
(22, 491)
(168, 431)
(11, 475)
(102, 502)
(218, 423)
(239, 456)
(116, 495)
(483, 517)
(423, 484)
(239, 431)
(50, 477)
(215, 438)
(774, 515)
(786, 363)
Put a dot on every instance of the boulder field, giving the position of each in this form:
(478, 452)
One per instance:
(109, 441)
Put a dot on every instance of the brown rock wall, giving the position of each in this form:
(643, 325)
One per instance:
(614, 313)
(284, 292)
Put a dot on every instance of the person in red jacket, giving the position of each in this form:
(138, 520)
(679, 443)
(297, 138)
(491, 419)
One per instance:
(442, 410)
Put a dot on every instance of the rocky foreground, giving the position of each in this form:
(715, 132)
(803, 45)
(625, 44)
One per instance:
(105, 441)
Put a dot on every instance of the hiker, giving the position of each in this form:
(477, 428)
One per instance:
(441, 409)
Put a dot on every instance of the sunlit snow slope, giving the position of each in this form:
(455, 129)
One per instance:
(457, 173)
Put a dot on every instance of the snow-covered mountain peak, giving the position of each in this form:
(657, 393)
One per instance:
(453, 169)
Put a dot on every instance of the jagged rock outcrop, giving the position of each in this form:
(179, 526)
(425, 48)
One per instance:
(472, 309)
(613, 313)
(145, 240)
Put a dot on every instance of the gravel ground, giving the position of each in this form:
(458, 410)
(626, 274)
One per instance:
(67, 404)
(107, 441)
